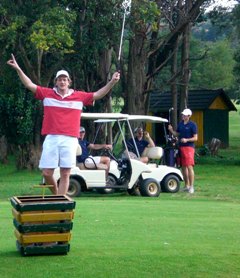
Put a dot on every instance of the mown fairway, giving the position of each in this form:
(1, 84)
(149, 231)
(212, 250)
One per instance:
(175, 235)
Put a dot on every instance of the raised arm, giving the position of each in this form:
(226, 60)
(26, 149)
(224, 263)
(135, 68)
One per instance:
(104, 90)
(25, 80)
(174, 133)
(100, 146)
(149, 139)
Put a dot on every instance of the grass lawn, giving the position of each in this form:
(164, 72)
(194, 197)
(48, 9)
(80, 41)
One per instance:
(137, 237)
(175, 235)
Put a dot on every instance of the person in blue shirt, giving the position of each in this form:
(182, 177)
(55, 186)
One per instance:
(92, 161)
(187, 135)
(143, 140)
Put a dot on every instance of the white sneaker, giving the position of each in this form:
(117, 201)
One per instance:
(191, 189)
(186, 189)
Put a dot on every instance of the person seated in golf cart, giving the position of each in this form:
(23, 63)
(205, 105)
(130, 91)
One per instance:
(86, 161)
(143, 140)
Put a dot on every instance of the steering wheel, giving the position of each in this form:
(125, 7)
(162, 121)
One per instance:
(130, 146)
(109, 153)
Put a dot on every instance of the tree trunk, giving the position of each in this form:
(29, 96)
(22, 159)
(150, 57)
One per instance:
(104, 71)
(3, 150)
(136, 98)
(185, 61)
(27, 157)
(174, 89)
(162, 51)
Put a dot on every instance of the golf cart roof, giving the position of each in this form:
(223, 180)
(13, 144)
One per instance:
(104, 116)
(107, 117)
(147, 118)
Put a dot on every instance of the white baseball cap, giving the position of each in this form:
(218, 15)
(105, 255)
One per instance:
(62, 72)
(187, 112)
(137, 129)
(82, 129)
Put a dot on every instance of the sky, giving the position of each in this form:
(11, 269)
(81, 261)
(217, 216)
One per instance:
(224, 3)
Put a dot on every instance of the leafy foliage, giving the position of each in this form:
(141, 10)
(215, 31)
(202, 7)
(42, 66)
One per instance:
(18, 111)
(214, 69)
(83, 37)
(52, 31)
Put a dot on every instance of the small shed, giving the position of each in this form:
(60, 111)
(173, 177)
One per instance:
(210, 112)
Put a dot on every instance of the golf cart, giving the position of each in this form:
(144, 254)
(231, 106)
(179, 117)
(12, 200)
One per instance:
(126, 173)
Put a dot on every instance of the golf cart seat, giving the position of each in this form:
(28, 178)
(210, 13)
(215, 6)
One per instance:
(93, 166)
(79, 150)
(153, 152)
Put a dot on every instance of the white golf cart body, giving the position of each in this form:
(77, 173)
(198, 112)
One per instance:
(151, 177)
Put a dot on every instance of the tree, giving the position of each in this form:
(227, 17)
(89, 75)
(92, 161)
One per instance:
(236, 23)
(46, 36)
(152, 45)
(37, 33)
(83, 38)
(213, 70)
(225, 26)
(213, 44)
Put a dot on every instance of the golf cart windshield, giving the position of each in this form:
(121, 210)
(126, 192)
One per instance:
(124, 122)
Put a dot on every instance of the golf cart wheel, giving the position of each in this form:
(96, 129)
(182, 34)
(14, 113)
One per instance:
(149, 188)
(111, 181)
(171, 184)
(74, 189)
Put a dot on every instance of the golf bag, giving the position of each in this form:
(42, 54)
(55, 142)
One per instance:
(171, 156)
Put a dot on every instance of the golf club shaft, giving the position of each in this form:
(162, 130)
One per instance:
(121, 41)
(169, 114)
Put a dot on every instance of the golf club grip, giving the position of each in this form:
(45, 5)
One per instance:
(118, 66)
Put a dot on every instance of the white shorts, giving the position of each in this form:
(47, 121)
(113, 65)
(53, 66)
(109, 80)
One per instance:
(58, 151)
(89, 161)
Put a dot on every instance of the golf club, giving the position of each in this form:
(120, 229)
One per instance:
(170, 136)
(169, 114)
(126, 6)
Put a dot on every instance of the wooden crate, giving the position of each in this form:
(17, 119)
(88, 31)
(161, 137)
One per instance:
(47, 202)
(43, 224)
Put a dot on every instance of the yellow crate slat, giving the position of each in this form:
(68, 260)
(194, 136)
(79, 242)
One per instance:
(42, 216)
(44, 237)
(39, 198)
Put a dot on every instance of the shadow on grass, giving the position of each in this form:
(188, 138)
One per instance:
(230, 160)
(10, 254)
(95, 194)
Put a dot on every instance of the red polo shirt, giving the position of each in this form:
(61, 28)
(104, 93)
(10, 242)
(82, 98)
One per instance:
(62, 115)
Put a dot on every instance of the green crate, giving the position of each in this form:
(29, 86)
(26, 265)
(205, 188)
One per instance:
(63, 226)
(48, 202)
(47, 249)
(43, 223)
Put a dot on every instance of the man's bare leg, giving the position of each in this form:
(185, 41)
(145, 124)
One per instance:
(185, 176)
(64, 181)
(49, 180)
(191, 175)
(106, 161)
(144, 159)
